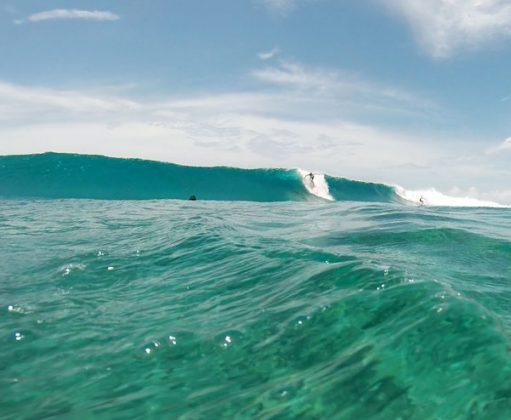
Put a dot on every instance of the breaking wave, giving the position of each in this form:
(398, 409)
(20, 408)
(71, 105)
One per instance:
(59, 175)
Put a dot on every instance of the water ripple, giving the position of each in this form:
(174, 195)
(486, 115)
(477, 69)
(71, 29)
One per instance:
(228, 310)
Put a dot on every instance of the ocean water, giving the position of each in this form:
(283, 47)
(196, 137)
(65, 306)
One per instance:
(370, 307)
(53, 175)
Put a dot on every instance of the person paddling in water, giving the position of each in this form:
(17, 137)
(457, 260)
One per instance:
(311, 176)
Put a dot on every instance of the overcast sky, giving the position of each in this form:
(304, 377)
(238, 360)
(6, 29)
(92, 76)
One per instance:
(409, 92)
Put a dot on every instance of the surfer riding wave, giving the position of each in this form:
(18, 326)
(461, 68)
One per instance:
(311, 177)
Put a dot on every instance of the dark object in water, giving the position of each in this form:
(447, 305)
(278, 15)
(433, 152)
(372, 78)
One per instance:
(193, 198)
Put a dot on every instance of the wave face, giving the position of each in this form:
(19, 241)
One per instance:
(220, 310)
(343, 189)
(55, 175)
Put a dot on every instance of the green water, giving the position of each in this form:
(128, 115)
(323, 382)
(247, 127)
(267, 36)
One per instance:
(176, 309)
(60, 175)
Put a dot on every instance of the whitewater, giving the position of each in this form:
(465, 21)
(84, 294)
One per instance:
(268, 297)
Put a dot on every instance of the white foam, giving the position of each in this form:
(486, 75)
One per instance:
(318, 187)
(432, 197)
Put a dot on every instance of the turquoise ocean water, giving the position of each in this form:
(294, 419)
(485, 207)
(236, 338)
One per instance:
(119, 299)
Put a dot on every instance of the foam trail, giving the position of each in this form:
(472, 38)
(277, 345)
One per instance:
(432, 197)
(319, 187)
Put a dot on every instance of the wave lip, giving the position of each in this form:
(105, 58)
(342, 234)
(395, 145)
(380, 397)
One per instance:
(432, 197)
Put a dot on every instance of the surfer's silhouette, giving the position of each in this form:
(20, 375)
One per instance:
(421, 200)
(311, 176)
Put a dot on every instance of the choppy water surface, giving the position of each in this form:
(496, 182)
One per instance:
(203, 309)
